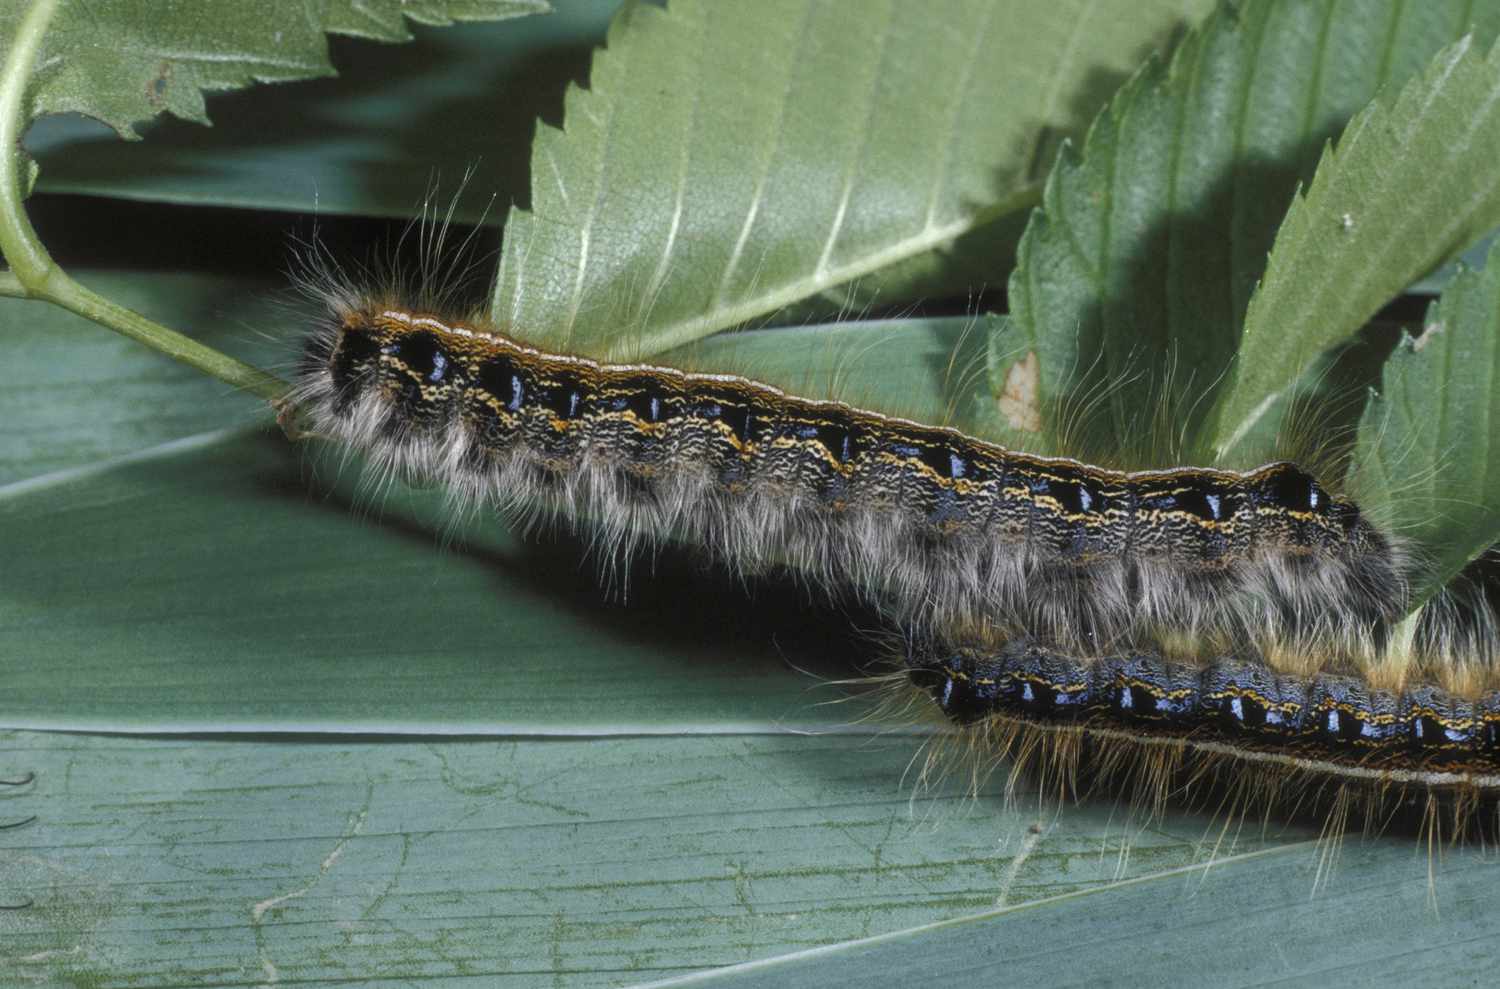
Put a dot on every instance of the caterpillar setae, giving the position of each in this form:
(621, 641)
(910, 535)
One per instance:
(942, 527)
(1240, 617)
(1334, 739)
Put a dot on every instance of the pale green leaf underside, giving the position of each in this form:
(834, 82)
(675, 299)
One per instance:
(730, 159)
(1412, 182)
(125, 61)
(1138, 269)
(87, 395)
(1429, 443)
(610, 862)
(524, 862)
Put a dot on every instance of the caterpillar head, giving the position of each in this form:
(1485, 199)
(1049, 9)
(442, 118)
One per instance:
(392, 359)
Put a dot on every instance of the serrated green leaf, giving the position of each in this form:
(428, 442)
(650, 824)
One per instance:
(730, 159)
(126, 61)
(1428, 454)
(1412, 182)
(370, 142)
(1135, 274)
(427, 96)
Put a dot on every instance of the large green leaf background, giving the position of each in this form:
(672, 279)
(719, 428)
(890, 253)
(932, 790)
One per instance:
(286, 728)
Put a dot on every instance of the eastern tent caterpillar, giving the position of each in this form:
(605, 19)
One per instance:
(1242, 618)
(943, 528)
(1239, 726)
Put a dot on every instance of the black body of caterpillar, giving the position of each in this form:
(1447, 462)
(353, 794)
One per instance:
(945, 529)
(1323, 726)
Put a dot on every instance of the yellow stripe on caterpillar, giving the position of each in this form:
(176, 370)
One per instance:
(1236, 724)
(944, 529)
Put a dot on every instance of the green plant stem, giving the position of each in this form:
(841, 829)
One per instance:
(34, 275)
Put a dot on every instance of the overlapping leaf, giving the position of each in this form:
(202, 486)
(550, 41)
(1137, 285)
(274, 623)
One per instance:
(370, 142)
(1411, 182)
(1138, 270)
(1428, 455)
(126, 61)
(729, 159)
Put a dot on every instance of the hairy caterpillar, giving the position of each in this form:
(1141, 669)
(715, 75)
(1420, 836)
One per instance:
(1237, 616)
(945, 528)
(1352, 743)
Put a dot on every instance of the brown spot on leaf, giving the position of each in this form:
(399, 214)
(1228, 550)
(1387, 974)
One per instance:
(1020, 398)
(1430, 332)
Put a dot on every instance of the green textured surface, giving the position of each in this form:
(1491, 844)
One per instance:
(1430, 440)
(1139, 267)
(126, 61)
(1410, 184)
(679, 201)
(519, 862)
(88, 395)
(1248, 921)
(369, 142)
